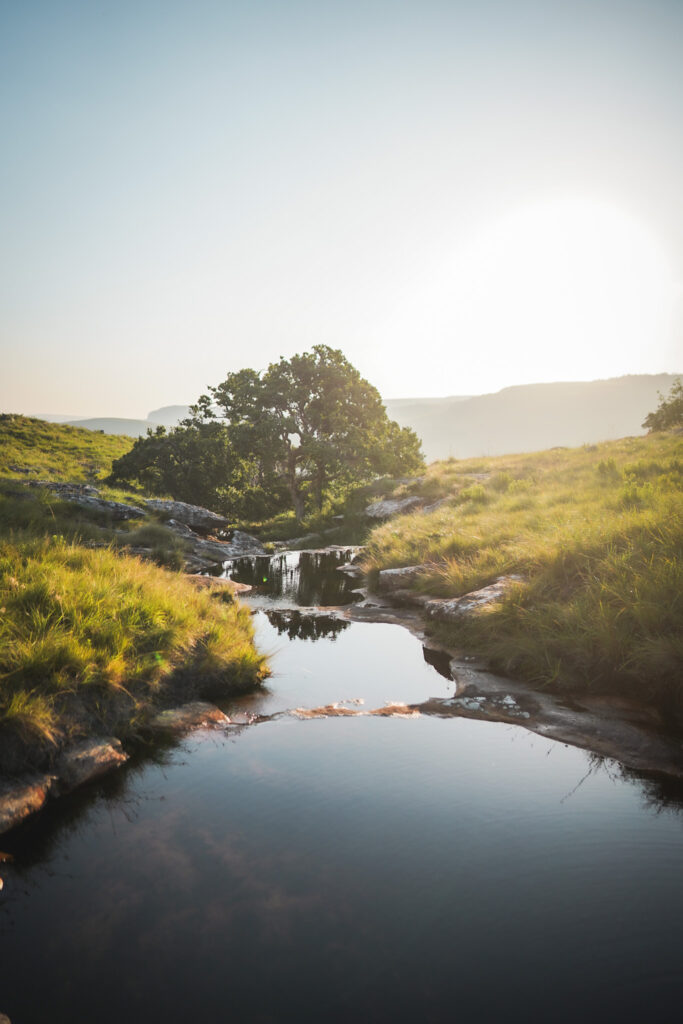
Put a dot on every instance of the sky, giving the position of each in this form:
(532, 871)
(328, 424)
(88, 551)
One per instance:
(461, 197)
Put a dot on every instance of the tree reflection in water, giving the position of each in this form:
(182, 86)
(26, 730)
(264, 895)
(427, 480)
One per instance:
(300, 626)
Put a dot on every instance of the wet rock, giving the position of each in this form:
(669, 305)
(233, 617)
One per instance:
(388, 507)
(88, 760)
(326, 711)
(395, 710)
(469, 604)
(23, 797)
(200, 519)
(195, 715)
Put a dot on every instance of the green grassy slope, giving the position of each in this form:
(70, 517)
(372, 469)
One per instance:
(597, 535)
(93, 641)
(37, 450)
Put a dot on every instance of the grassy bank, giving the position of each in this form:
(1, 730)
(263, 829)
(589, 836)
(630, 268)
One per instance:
(36, 450)
(596, 534)
(92, 640)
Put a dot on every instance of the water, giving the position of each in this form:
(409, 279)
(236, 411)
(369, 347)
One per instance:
(349, 869)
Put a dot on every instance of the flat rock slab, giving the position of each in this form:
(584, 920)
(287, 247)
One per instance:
(87, 497)
(459, 607)
(24, 797)
(389, 507)
(198, 518)
(88, 760)
(197, 714)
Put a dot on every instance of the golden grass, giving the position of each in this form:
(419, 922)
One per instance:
(597, 535)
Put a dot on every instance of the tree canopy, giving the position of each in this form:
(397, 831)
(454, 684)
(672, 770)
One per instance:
(302, 430)
(669, 412)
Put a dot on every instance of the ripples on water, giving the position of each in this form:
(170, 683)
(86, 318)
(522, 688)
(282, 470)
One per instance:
(354, 869)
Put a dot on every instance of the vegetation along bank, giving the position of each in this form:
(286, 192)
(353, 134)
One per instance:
(93, 640)
(589, 542)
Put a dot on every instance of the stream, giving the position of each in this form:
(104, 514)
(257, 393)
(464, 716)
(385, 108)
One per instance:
(350, 867)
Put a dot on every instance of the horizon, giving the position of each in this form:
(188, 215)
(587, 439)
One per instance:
(74, 418)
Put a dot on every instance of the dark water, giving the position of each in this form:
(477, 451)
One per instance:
(349, 869)
(306, 578)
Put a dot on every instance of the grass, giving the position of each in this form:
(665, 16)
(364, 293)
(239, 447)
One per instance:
(596, 534)
(34, 449)
(92, 640)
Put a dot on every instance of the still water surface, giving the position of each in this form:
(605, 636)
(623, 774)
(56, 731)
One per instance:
(348, 869)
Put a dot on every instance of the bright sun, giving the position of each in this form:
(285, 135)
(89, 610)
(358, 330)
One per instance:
(558, 290)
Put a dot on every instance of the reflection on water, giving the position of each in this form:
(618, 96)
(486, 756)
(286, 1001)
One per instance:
(305, 578)
(299, 626)
(344, 869)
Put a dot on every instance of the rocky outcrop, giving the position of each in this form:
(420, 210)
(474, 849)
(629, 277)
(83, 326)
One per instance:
(449, 609)
(199, 519)
(388, 507)
(389, 580)
(203, 553)
(88, 760)
(197, 714)
(23, 797)
(88, 497)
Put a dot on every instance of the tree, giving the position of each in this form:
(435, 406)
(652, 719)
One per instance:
(292, 435)
(312, 424)
(194, 462)
(669, 413)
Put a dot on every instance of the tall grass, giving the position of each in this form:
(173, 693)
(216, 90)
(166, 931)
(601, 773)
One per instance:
(34, 449)
(597, 535)
(92, 640)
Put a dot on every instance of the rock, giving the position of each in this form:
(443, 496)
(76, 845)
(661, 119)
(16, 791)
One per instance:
(23, 797)
(4, 1019)
(388, 507)
(434, 505)
(200, 519)
(397, 579)
(88, 760)
(470, 604)
(195, 715)
(87, 497)
(219, 583)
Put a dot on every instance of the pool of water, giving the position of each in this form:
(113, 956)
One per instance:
(348, 869)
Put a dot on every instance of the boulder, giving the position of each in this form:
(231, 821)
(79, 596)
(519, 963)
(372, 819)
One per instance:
(23, 797)
(197, 714)
(88, 497)
(88, 760)
(388, 507)
(389, 580)
(198, 518)
(469, 604)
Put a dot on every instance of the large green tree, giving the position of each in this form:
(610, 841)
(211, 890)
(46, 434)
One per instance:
(311, 423)
(305, 428)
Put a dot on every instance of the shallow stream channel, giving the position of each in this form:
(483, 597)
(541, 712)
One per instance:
(335, 855)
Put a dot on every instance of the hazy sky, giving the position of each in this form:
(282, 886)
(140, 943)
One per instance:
(460, 196)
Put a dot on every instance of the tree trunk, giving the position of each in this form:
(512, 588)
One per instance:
(296, 495)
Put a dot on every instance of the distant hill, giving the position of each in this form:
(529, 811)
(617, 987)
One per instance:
(531, 417)
(169, 415)
(114, 425)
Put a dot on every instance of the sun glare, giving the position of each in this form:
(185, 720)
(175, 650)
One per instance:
(558, 290)
(566, 288)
